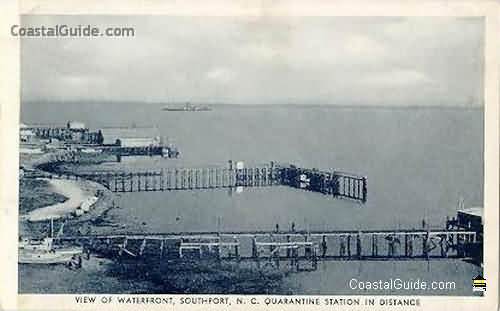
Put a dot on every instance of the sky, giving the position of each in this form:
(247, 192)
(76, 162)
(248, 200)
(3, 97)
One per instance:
(260, 60)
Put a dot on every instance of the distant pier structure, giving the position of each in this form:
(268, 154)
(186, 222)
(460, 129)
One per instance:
(338, 184)
(140, 147)
(73, 132)
(121, 141)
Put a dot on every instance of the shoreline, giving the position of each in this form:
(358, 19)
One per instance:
(77, 192)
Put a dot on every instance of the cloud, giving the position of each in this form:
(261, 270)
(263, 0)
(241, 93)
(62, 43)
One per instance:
(397, 78)
(220, 75)
(260, 60)
(363, 47)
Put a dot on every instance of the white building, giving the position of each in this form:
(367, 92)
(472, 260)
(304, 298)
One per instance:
(26, 135)
(111, 135)
(76, 125)
(138, 141)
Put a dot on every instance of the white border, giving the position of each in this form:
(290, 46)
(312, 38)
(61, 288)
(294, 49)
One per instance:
(9, 116)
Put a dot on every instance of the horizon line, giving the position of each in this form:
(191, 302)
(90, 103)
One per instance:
(270, 104)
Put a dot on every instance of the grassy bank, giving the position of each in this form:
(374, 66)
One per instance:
(101, 275)
(202, 277)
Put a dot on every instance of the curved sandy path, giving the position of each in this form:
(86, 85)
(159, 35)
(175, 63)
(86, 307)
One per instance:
(70, 189)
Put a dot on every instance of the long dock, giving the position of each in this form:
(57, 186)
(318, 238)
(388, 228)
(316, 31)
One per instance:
(337, 184)
(183, 179)
(284, 246)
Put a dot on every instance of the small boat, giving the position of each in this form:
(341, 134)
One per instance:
(43, 251)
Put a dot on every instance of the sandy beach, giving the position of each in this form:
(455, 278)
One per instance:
(71, 189)
(61, 196)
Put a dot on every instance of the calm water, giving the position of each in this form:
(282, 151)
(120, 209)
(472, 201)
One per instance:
(419, 162)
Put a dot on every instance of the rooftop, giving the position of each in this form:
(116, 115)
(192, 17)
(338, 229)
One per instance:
(76, 125)
(112, 134)
(474, 211)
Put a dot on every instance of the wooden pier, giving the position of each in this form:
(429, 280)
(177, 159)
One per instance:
(338, 184)
(183, 179)
(278, 246)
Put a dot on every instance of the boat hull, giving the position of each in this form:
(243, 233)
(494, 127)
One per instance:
(61, 256)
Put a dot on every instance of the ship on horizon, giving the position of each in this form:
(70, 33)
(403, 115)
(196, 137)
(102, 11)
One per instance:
(185, 107)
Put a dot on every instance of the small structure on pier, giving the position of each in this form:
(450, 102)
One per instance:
(470, 218)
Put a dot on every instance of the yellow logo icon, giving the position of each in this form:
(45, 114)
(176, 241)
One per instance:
(479, 284)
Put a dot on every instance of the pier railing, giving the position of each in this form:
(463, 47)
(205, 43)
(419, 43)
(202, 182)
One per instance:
(339, 184)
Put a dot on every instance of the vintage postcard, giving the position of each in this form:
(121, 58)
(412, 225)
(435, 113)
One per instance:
(249, 156)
